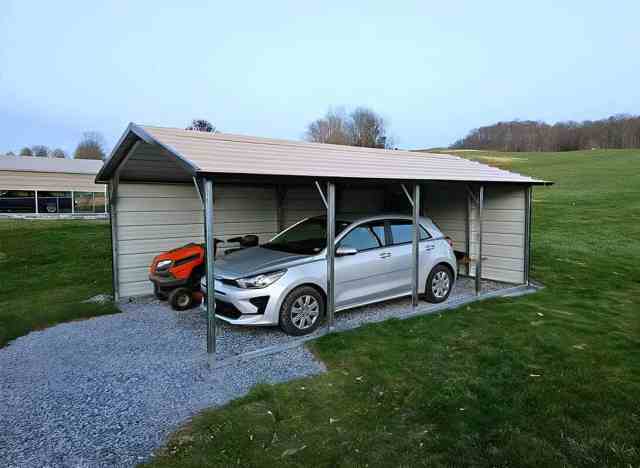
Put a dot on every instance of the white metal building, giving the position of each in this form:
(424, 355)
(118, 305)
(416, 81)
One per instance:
(50, 186)
(160, 178)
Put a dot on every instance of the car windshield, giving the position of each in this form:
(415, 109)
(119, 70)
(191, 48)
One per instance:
(306, 238)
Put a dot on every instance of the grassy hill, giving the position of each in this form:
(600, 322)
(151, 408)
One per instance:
(551, 379)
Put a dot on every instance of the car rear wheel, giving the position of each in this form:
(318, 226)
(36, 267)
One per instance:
(181, 299)
(439, 284)
(301, 311)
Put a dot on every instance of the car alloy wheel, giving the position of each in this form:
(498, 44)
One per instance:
(305, 310)
(440, 284)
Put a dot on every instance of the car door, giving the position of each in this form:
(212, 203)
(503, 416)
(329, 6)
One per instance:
(400, 258)
(361, 277)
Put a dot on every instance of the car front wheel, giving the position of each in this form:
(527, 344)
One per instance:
(301, 311)
(439, 284)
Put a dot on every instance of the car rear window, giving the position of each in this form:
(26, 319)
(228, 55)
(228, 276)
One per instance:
(402, 232)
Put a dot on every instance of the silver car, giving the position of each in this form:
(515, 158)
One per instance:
(283, 282)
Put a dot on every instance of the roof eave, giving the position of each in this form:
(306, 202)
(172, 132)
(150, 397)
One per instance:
(273, 177)
(131, 135)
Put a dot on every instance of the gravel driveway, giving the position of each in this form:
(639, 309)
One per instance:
(107, 391)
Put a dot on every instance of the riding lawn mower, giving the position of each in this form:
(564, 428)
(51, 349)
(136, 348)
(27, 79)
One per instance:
(176, 274)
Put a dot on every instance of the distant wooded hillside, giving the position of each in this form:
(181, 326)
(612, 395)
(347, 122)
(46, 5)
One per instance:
(619, 131)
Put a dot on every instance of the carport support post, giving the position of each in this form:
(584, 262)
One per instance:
(415, 245)
(211, 296)
(331, 253)
(479, 259)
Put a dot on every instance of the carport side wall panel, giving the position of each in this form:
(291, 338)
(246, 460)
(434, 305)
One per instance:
(152, 218)
(446, 205)
(503, 246)
(302, 202)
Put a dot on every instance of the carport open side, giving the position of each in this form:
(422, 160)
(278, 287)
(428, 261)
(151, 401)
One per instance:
(168, 187)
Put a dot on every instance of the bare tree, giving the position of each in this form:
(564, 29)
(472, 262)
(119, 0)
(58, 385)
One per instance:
(367, 129)
(10, 153)
(332, 128)
(201, 125)
(40, 151)
(91, 146)
(26, 152)
(362, 127)
(58, 153)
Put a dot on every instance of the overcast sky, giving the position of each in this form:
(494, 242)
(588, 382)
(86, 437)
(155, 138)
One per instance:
(434, 69)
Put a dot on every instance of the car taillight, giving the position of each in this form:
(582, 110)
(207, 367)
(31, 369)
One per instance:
(449, 241)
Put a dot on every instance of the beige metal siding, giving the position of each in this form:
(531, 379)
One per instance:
(153, 218)
(503, 234)
(446, 205)
(305, 201)
(49, 181)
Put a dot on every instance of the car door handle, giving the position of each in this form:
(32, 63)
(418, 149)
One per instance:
(429, 247)
(385, 255)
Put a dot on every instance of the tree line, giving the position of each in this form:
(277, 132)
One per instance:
(91, 146)
(618, 131)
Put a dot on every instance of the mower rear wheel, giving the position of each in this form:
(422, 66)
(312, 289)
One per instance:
(181, 299)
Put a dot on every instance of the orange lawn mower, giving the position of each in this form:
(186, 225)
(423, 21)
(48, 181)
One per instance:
(176, 274)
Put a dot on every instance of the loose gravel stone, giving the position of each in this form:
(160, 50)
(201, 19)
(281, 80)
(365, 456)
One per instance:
(109, 390)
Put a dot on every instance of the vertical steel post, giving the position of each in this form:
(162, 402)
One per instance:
(73, 199)
(479, 259)
(415, 246)
(468, 232)
(280, 196)
(527, 232)
(211, 296)
(35, 193)
(113, 221)
(331, 253)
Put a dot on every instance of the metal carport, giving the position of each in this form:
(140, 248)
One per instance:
(162, 158)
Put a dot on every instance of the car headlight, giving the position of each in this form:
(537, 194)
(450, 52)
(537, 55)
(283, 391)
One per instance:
(260, 281)
(163, 264)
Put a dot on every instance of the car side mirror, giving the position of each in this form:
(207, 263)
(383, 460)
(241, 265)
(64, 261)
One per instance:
(343, 251)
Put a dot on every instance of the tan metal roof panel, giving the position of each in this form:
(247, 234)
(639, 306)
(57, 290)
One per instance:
(237, 154)
(224, 153)
(36, 164)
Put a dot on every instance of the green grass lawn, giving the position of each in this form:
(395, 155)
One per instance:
(551, 379)
(47, 268)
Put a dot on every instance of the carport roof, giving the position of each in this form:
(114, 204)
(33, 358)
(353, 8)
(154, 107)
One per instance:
(228, 154)
(36, 164)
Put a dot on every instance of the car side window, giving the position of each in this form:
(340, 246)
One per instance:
(362, 237)
(402, 232)
(378, 231)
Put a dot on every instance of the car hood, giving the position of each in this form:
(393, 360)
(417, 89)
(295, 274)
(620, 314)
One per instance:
(255, 260)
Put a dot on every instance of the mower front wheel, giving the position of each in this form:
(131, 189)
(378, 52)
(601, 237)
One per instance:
(181, 299)
(157, 292)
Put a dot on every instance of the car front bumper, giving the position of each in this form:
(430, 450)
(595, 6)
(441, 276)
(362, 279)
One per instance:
(238, 306)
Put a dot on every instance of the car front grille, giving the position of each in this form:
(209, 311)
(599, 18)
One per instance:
(226, 309)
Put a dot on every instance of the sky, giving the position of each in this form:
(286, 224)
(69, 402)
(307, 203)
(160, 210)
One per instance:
(434, 70)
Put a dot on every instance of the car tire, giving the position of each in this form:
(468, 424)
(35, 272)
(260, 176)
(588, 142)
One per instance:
(181, 299)
(439, 284)
(157, 292)
(302, 311)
